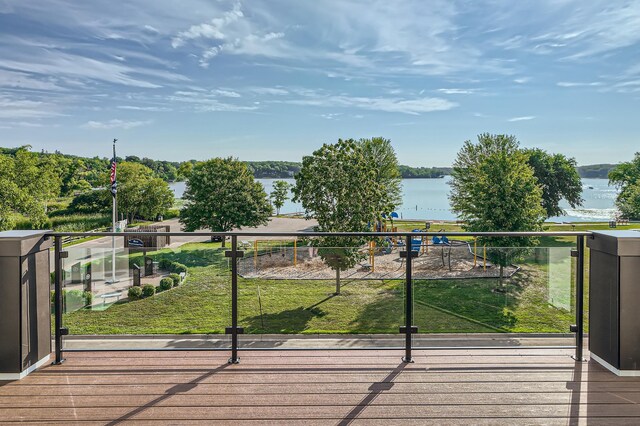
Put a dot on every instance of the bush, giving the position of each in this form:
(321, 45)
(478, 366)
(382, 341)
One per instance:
(136, 261)
(171, 214)
(148, 290)
(166, 284)
(134, 293)
(165, 264)
(178, 268)
(73, 300)
(175, 278)
(96, 201)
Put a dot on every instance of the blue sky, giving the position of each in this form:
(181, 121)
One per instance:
(274, 79)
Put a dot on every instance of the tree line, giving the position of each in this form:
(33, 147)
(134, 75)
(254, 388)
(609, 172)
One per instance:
(351, 185)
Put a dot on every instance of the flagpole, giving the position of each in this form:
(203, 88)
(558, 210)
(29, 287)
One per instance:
(114, 215)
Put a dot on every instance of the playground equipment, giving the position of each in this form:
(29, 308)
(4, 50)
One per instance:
(281, 248)
(444, 242)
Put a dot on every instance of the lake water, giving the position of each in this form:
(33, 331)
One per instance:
(428, 199)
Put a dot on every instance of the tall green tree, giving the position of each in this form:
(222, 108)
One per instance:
(338, 185)
(493, 188)
(26, 186)
(626, 177)
(559, 179)
(222, 195)
(141, 193)
(280, 194)
(379, 151)
(628, 202)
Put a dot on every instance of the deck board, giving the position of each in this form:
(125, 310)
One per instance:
(481, 386)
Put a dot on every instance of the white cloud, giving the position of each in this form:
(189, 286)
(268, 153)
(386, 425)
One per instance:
(523, 118)
(457, 91)
(116, 124)
(12, 107)
(62, 64)
(215, 29)
(522, 80)
(406, 106)
(578, 84)
(331, 116)
(226, 93)
(144, 108)
(207, 102)
(269, 91)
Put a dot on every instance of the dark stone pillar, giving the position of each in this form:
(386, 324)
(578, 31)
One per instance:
(25, 313)
(148, 266)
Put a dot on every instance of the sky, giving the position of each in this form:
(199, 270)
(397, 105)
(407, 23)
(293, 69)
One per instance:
(275, 79)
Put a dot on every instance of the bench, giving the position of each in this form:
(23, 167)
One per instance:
(115, 294)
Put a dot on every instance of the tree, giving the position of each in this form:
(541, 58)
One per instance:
(280, 194)
(140, 193)
(96, 201)
(558, 178)
(628, 202)
(338, 186)
(626, 177)
(493, 188)
(387, 175)
(184, 170)
(221, 195)
(20, 189)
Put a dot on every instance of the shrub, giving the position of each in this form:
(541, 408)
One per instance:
(148, 290)
(166, 284)
(175, 278)
(178, 268)
(134, 293)
(136, 261)
(171, 213)
(165, 264)
(74, 299)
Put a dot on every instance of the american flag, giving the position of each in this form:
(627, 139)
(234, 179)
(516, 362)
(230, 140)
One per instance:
(114, 184)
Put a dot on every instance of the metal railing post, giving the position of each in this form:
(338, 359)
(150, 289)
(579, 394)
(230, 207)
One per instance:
(408, 319)
(579, 329)
(57, 299)
(234, 330)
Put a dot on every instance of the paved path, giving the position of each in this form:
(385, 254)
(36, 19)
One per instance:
(276, 224)
(101, 247)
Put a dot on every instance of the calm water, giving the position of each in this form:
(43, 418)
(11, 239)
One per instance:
(428, 199)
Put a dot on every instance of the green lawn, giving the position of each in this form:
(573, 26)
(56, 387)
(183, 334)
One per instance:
(202, 304)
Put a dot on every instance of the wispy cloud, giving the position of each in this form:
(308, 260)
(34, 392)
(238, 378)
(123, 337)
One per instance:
(523, 118)
(215, 29)
(207, 102)
(579, 84)
(13, 107)
(277, 91)
(144, 108)
(406, 106)
(458, 91)
(226, 93)
(116, 124)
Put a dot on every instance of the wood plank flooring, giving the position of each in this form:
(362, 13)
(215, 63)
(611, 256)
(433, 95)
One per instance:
(484, 386)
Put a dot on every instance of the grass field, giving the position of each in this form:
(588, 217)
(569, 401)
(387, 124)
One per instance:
(203, 303)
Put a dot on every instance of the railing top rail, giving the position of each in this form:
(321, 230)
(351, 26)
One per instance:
(326, 234)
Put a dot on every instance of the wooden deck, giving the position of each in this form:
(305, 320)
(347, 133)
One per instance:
(485, 386)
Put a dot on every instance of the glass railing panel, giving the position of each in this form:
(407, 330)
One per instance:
(461, 287)
(289, 295)
(167, 297)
